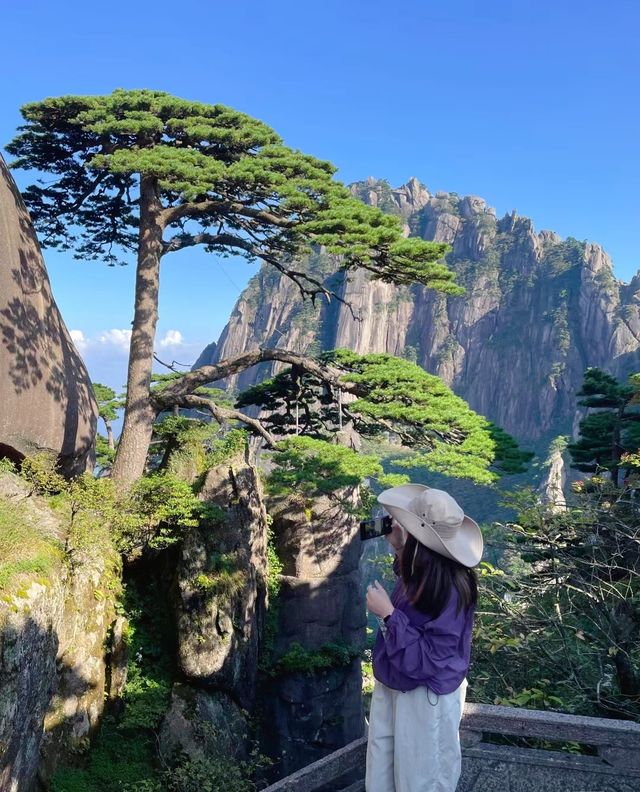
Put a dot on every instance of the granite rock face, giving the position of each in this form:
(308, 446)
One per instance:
(320, 602)
(202, 724)
(220, 591)
(538, 310)
(46, 396)
(53, 669)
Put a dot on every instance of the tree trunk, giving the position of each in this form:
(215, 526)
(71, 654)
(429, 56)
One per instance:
(139, 413)
(616, 452)
(110, 441)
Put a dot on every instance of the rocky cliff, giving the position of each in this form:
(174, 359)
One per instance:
(58, 626)
(313, 700)
(538, 310)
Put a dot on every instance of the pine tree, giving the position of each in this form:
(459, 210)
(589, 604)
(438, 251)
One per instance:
(613, 429)
(393, 398)
(147, 173)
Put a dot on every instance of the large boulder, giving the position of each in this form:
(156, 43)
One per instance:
(320, 598)
(45, 392)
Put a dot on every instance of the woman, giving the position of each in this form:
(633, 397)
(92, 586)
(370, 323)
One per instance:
(421, 654)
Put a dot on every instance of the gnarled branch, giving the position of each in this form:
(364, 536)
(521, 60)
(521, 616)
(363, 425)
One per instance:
(222, 414)
(175, 393)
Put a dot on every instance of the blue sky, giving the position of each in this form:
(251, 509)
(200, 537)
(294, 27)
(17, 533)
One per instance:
(532, 105)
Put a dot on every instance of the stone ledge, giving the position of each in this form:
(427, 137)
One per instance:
(539, 758)
(551, 725)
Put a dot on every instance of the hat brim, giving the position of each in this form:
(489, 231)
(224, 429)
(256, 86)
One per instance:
(465, 546)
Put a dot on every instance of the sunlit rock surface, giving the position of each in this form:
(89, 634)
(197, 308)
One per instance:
(46, 400)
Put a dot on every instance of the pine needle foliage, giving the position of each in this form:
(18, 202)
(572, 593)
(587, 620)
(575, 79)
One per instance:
(395, 398)
(225, 181)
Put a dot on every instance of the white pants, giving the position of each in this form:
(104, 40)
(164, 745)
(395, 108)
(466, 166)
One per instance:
(414, 742)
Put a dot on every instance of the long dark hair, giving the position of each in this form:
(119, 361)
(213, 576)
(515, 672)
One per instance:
(429, 577)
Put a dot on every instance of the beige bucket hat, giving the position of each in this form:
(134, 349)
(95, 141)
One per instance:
(436, 520)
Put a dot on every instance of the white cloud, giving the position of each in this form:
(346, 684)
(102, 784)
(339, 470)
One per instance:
(116, 339)
(78, 338)
(172, 338)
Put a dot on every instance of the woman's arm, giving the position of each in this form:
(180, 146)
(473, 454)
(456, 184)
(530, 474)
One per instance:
(420, 652)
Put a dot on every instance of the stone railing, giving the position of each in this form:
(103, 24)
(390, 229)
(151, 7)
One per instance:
(613, 767)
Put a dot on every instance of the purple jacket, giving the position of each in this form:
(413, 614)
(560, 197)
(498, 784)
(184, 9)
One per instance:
(413, 649)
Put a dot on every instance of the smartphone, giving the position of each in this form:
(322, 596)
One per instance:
(378, 526)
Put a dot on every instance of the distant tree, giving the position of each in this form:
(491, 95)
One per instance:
(612, 429)
(108, 406)
(145, 172)
(104, 454)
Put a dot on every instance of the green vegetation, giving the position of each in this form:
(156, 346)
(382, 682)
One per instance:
(559, 624)
(274, 571)
(560, 318)
(124, 755)
(7, 466)
(233, 443)
(299, 660)
(186, 448)
(448, 349)
(156, 512)
(309, 467)
(95, 514)
(223, 577)
(394, 397)
(564, 256)
(612, 429)
(108, 406)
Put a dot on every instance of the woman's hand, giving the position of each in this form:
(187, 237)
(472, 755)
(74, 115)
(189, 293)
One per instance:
(397, 537)
(378, 601)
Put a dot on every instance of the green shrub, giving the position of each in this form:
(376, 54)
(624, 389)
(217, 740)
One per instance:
(223, 577)
(157, 511)
(221, 449)
(120, 759)
(40, 471)
(7, 466)
(297, 659)
(313, 467)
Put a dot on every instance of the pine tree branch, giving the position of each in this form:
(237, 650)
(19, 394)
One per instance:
(182, 241)
(199, 208)
(222, 414)
(175, 393)
(307, 284)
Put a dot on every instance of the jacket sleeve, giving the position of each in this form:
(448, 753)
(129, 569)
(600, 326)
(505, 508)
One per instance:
(420, 652)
